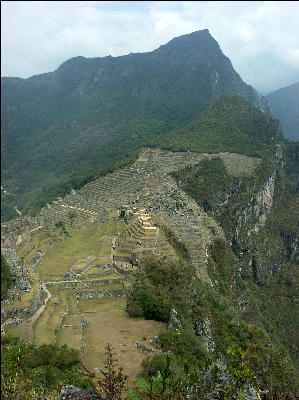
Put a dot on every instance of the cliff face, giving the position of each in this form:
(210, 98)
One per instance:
(242, 206)
(251, 218)
(259, 215)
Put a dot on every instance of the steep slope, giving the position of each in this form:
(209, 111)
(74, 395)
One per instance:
(226, 124)
(285, 105)
(63, 128)
(233, 217)
(256, 269)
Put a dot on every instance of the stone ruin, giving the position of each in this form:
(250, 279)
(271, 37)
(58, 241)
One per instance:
(146, 184)
(140, 238)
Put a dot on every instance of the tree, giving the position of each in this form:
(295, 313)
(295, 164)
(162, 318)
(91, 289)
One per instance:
(113, 383)
(72, 215)
(6, 278)
(60, 225)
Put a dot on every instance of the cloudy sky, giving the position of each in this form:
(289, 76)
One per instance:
(260, 38)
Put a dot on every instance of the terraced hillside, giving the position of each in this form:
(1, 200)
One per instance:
(146, 184)
(80, 301)
(77, 257)
(140, 238)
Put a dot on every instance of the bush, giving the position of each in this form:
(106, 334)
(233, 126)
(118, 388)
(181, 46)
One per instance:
(6, 278)
(37, 370)
(153, 306)
(134, 310)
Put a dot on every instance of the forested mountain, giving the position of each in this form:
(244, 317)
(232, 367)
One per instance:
(285, 105)
(63, 128)
(211, 173)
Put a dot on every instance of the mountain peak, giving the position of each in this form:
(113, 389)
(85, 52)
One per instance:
(201, 41)
(89, 105)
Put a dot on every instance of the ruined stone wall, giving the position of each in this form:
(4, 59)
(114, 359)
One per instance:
(68, 284)
(20, 316)
(99, 294)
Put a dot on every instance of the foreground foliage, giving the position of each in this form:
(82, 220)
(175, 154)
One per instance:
(114, 381)
(29, 372)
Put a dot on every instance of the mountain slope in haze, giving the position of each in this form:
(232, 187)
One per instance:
(285, 105)
(64, 128)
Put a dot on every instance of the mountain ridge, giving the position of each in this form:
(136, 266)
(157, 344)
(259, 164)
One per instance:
(228, 219)
(107, 108)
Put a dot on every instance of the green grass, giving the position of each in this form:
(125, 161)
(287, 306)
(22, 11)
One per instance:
(70, 335)
(109, 323)
(73, 307)
(44, 327)
(100, 288)
(94, 270)
(84, 242)
(33, 240)
(16, 331)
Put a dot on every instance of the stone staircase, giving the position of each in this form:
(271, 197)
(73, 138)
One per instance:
(141, 237)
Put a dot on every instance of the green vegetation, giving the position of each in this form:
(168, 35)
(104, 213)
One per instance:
(254, 290)
(82, 243)
(169, 377)
(207, 183)
(114, 381)
(226, 124)
(29, 372)
(67, 140)
(92, 116)
(163, 286)
(151, 297)
(6, 278)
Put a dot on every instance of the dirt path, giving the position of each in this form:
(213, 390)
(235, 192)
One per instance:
(27, 324)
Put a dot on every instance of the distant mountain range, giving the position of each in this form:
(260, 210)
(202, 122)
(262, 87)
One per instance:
(91, 115)
(285, 105)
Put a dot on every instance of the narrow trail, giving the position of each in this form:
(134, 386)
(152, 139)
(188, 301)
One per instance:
(27, 323)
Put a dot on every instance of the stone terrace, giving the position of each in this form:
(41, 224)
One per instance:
(145, 184)
(96, 200)
(141, 237)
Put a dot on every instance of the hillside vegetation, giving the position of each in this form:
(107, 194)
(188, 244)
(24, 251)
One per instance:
(224, 124)
(265, 259)
(64, 128)
(188, 255)
(6, 278)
